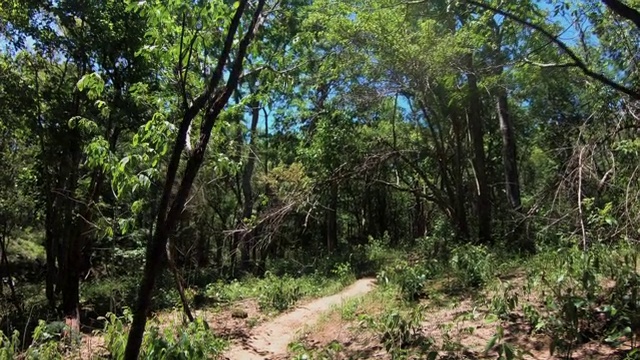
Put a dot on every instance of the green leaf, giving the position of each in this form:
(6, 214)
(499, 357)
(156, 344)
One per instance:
(491, 343)
(491, 318)
(509, 351)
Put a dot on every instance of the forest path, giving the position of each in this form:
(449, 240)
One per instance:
(269, 341)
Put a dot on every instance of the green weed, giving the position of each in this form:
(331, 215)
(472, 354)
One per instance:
(401, 333)
(9, 346)
(581, 296)
(46, 344)
(279, 293)
(410, 279)
(472, 265)
(195, 341)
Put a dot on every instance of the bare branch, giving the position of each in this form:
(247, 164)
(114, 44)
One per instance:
(550, 65)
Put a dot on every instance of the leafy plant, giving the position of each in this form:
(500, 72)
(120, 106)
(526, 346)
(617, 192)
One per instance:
(472, 265)
(330, 351)
(504, 301)
(410, 280)
(195, 341)
(9, 346)
(344, 272)
(278, 293)
(505, 350)
(399, 332)
(45, 343)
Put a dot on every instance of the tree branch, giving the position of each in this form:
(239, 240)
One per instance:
(550, 65)
(564, 47)
(624, 11)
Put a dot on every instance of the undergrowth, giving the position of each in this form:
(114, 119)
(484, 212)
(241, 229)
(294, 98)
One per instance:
(191, 342)
(576, 297)
(567, 296)
(194, 341)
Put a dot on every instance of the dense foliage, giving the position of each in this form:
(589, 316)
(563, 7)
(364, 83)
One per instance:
(151, 147)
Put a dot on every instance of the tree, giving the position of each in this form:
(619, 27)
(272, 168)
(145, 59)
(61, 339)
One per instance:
(211, 102)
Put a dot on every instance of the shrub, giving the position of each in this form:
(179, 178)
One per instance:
(344, 272)
(472, 265)
(9, 346)
(410, 279)
(576, 306)
(278, 293)
(45, 343)
(195, 341)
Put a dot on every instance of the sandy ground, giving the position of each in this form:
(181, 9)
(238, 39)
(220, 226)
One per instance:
(270, 339)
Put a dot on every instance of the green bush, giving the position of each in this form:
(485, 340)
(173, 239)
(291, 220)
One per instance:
(409, 278)
(472, 265)
(576, 307)
(46, 343)
(109, 295)
(344, 273)
(9, 346)
(195, 341)
(278, 293)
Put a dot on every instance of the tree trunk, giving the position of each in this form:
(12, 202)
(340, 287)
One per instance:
(51, 245)
(509, 145)
(381, 213)
(332, 218)
(512, 179)
(71, 251)
(509, 155)
(78, 246)
(460, 195)
(476, 130)
(213, 100)
(219, 249)
(419, 217)
(248, 238)
(178, 279)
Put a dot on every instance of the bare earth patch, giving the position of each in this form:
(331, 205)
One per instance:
(271, 339)
(354, 344)
(235, 321)
(462, 325)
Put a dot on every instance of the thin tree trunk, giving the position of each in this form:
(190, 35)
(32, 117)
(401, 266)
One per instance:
(203, 244)
(214, 100)
(332, 219)
(509, 146)
(512, 178)
(419, 217)
(71, 251)
(476, 130)
(509, 155)
(79, 246)
(51, 246)
(51, 237)
(249, 237)
(178, 279)
(459, 197)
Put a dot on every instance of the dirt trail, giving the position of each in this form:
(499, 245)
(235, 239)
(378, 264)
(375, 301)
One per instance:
(270, 340)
